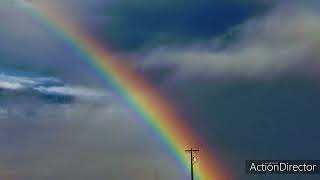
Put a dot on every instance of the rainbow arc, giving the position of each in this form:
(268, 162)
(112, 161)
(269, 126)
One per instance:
(154, 109)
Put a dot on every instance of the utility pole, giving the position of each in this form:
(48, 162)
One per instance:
(193, 159)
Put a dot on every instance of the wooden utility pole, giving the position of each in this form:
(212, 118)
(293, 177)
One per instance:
(192, 160)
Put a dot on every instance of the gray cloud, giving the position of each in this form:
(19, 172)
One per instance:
(93, 137)
(282, 41)
(81, 141)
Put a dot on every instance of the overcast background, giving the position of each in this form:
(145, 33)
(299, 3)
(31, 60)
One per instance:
(244, 72)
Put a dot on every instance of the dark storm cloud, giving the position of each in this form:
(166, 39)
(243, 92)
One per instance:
(255, 119)
(282, 41)
(28, 43)
(141, 23)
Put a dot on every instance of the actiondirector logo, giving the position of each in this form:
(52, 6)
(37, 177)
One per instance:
(282, 167)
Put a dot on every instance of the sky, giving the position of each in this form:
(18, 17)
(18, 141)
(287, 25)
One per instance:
(244, 72)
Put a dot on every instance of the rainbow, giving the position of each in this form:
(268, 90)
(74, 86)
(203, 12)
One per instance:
(156, 112)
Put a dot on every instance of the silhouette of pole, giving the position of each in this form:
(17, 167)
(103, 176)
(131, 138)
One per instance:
(192, 160)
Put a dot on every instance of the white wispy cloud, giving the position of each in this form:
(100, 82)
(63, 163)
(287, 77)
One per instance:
(71, 91)
(48, 86)
(282, 41)
(21, 82)
(10, 85)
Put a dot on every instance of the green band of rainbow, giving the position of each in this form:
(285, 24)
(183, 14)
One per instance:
(156, 112)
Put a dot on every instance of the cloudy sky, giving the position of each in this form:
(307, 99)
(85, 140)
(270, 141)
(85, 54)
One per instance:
(244, 72)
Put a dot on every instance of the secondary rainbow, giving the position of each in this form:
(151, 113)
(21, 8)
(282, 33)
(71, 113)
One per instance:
(155, 111)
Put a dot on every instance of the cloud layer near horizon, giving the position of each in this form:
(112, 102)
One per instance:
(284, 40)
(50, 129)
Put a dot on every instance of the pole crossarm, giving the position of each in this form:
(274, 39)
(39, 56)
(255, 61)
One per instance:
(192, 161)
